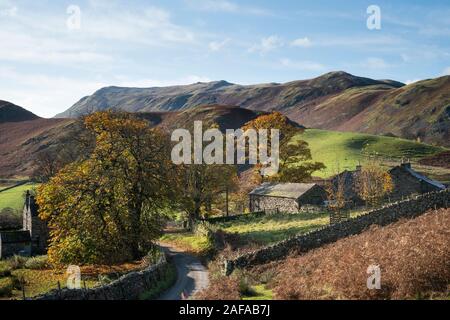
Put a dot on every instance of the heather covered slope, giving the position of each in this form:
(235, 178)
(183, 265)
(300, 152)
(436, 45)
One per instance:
(11, 113)
(21, 141)
(334, 101)
(413, 255)
(417, 111)
(225, 117)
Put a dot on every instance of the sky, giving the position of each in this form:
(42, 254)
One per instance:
(53, 53)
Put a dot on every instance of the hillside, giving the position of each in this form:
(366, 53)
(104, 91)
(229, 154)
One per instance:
(21, 141)
(345, 150)
(413, 255)
(334, 101)
(226, 117)
(11, 113)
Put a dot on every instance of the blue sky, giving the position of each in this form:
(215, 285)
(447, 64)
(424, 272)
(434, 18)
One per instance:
(46, 66)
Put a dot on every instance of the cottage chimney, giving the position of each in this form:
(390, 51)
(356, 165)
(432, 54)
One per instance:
(27, 199)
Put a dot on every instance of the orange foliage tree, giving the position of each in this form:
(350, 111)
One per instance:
(109, 207)
(373, 183)
(295, 155)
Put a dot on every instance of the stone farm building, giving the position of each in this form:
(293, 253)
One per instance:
(287, 197)
(33, 237)
(409, 182)
(406, 182)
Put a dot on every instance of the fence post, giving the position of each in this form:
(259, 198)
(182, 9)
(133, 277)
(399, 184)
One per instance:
(23, 288)
(59, 290)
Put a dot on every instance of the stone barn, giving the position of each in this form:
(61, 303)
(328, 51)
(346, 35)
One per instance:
(37, 228)
(409, 182)
(287, 197)
(348, 179)
(33, 237)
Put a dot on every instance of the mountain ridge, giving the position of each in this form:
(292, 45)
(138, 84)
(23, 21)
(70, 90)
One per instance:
(10, 112)
(334, 101)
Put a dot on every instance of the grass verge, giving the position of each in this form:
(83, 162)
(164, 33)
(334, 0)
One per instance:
(169, 278)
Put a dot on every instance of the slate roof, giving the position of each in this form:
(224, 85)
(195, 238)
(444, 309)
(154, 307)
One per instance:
(283, 190)
(425, 179)
(407, 167)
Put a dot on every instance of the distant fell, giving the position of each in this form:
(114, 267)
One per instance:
(11, 113)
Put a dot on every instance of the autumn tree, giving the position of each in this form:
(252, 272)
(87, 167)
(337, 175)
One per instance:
(295, 155)
(373, 183)
(337, 196)
(110, 207)
(201, 185)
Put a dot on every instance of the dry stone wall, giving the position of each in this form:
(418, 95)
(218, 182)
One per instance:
(388, 214)
(129, 287)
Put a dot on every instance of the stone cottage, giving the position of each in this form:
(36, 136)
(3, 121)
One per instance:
(409, 182)
(406, 182)
(287, 197)
(349, 179)
(33, 237)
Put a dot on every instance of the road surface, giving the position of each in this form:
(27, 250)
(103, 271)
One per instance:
(192, 276)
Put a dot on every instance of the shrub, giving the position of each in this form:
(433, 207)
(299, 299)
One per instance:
(245, 287)
(10, 219)
(37, 263)
(17, 262)
(153, 256)
(221, 288)
(6, 287)
(5, 269)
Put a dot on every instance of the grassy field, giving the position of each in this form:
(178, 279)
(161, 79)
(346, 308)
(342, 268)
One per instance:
(187, 241)
(13, 198)
(273, 228)
(345, 150)
(258, 292)
(38, 277)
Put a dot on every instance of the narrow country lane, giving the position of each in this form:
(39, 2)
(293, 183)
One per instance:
(192, 276)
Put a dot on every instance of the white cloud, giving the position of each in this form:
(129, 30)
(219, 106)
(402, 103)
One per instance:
(446, 71)
(218, 45)
(210, 5)
(267, 44)
(9, 12)
(153, 26)
(302, 65)
(7, 9)
(42, 94)
(405, 57)
(375, 63)
(225, 6)
(24, 48)
(48, 95)
(301, 42)
(411, 81)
